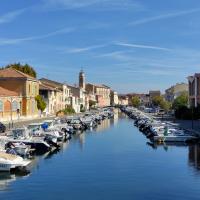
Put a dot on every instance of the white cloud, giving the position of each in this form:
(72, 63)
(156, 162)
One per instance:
(10, 16)
(84, 49)
(164, 16)
(6, 41)
(141, 46)
(95, 4)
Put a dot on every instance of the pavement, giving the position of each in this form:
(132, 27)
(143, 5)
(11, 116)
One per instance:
(25, 122)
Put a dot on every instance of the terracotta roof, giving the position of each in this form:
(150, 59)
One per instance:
(99, 86)
(51, 83)
(13, 73)
(6, 93)
(44, 86)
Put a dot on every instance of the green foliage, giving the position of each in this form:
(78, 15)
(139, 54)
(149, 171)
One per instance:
(68, 110)
(159, 101)
(27, 69)
(41, 105)
(181, 101)
(166, 105)
(135, 101)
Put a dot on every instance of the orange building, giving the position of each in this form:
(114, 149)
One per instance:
(9, 105)
(21, 86)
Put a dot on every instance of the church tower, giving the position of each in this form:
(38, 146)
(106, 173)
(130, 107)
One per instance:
(82, 80)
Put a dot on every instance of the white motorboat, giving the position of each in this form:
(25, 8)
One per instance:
(9, 161)
(174, 138)
(18, 148)
(23, 135)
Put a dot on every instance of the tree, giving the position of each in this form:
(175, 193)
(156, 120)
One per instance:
(166, 105)
(26, 69)
(181, 101)
(135, 101)
(41, 105)
(159, 101)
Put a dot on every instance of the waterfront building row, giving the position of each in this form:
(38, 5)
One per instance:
(18, 92)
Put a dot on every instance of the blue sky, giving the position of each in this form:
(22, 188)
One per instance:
(131, 45)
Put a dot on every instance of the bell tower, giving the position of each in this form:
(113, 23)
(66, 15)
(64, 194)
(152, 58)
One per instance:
(82, 79)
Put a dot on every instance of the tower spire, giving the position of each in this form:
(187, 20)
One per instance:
(82, 79)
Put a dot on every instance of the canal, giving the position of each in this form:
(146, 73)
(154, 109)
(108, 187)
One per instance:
(113, 162)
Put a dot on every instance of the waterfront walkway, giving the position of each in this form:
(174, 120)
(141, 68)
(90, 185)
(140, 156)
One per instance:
(24, 122)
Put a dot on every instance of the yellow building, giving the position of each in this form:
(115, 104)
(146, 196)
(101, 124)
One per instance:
(25, 87)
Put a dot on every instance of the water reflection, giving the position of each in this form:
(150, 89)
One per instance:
(194, 156)
(6, 178)
(193, 152)
(80, 137)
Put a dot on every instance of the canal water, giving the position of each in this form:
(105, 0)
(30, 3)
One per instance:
(113, 162)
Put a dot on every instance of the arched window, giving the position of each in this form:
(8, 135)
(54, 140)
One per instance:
(15, 106)
(7, 106)
(1, 106)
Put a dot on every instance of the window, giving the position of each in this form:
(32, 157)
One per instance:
(15, 106)
(1, 106)
(7, 106)
(29, 89)
(35, 89)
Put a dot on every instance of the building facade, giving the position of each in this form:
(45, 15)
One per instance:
(101, 92)
(25, 88)
(153, 94)
(114, 98)
(49, 95)
(10, 103)
(175, 91)
(194, 90)
(78, 98)
(123, 100)
(58, 94)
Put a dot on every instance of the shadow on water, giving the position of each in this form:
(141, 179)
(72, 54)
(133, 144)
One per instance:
(194, 157)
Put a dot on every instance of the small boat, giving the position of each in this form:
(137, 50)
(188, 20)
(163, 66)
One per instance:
(9, 162)
(19, 149)
(22, 135)
(175, 138)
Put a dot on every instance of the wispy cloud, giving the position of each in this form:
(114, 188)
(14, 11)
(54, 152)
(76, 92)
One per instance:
(164, 16)
(6, 41)
(10, 16)
(97, 4)
(84, 49)
(141, 46)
